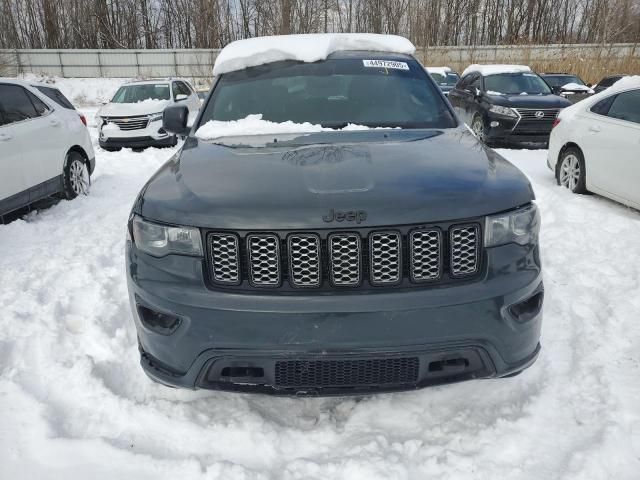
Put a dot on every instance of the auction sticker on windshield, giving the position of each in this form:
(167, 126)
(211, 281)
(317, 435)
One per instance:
(385, 64)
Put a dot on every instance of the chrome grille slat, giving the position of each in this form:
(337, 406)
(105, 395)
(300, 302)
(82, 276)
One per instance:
(264, 260)
(530, 113)
(425, 254)
(129, 123)
(225, 258)
(345, 259)
(385, 258)
(464, 241)
(304, 260)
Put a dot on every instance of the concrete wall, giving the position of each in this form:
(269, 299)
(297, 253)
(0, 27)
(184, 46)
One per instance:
(588, 60)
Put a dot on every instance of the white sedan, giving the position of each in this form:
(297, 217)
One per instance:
(595, 144)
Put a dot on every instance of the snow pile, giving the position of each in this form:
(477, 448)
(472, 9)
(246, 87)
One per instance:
(255, 125)
(491, 92)
(144, 107)
(304, 48)
(576, 87)
(495, 69)
(82, 91)
(439, 70)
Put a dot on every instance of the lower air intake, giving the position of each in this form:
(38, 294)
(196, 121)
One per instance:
(345, 373)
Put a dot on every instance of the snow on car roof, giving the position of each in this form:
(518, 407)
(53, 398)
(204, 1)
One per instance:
(439, 70)
(495, 69)
(305, 48)
(625, 83)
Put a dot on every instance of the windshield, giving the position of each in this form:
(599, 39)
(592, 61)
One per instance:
(448, 80)
(561, 80)
(139, 93)
(332, 93)
(516, 84)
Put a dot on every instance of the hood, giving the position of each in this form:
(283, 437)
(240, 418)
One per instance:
(530, 101)
(398, 177)
(146, 107)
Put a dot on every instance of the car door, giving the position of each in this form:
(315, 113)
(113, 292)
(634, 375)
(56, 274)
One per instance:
(457, 95)
(611, 144)
(40, 134)
(13, 175)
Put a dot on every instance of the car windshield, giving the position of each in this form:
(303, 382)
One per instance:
(332, 93)
(448, 80)
(139, 93)
(561, 80)
(516, 84)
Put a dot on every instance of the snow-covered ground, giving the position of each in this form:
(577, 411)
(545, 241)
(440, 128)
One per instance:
(74, 403)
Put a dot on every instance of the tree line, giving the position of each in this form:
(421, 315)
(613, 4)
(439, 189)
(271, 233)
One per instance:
(214, 23)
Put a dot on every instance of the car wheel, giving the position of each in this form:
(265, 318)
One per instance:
(571, 170)
(77, 180)
(478, 127)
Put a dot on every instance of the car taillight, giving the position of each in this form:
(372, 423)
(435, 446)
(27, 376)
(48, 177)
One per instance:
(555, 123)
(83, 119)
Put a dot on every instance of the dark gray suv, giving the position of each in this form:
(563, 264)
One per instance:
(340, 261)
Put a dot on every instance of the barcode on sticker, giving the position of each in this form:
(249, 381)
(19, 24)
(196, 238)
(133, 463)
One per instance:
(386, 64)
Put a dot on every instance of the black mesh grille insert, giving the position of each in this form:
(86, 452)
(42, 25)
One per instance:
(341, 373)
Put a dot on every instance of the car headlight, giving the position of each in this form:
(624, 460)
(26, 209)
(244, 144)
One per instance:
(154, 117)
(520, 226)
(506, 111)
(160, 240)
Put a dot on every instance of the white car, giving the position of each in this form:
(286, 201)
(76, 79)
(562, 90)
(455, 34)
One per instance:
(45, 147)
(133, 117)
(595, 144)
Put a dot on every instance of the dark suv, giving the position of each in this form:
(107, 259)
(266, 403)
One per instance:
(335, 261)
(506, 107)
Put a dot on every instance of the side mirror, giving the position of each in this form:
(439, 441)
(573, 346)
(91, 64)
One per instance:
(180, 97)
(174, 120)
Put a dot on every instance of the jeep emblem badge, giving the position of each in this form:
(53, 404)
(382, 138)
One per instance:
(539, 114)
(357, 216)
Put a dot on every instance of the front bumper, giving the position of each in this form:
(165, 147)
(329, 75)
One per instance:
(237, 341)
(513, 131)
(137, 142)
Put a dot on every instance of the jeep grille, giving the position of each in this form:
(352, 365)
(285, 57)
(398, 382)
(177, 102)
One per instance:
(363, 258)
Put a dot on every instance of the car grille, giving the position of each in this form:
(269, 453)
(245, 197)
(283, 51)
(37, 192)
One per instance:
(129, 123)
(530, 124)
(337, 373)
(369, 258)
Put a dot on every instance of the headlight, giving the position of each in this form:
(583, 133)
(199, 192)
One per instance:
(520, 226)
(506, 111)
(154, 117)
(160, 240)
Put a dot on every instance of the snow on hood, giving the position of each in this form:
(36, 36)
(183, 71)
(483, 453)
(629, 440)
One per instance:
(625, 83)
(439, 70)
(255, 125)
(304, 48)
(145, 107)
(576, 87)
(494, 69)
(491, 92)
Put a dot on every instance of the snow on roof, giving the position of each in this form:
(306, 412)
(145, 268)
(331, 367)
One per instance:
(305, 48)
(495, 69)
(625, 83)
(439, 70)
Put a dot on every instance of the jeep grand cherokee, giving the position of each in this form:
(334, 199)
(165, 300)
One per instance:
(336, 261)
